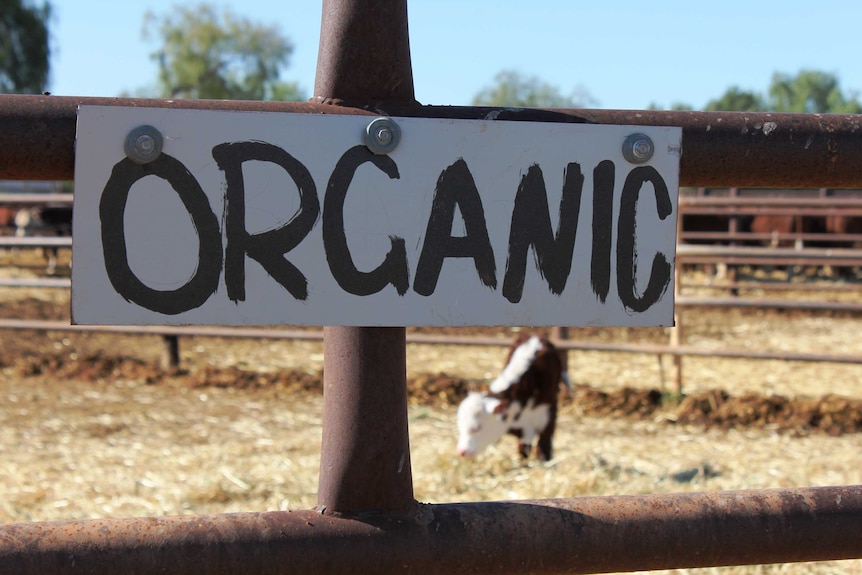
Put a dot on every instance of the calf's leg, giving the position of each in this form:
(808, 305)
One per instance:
(544, 448)
(523, 444)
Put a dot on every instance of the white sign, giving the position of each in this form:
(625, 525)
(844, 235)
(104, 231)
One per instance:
(252, 218)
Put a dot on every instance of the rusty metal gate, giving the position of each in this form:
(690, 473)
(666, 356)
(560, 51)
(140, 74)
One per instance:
(367, 519)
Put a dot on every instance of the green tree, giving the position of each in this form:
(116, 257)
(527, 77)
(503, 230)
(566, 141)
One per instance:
(513, 89)
(676, 107)
(808, 92)
(210, 55)
(811, 91)
(24, 46)
(737, 100)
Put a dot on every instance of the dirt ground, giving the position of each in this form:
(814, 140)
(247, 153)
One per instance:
(90, 427)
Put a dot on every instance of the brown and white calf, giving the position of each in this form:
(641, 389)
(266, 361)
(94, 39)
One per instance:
(521, 401)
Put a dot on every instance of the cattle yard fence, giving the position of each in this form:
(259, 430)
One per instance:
(730, 204)
(367, 518)
(795, 230)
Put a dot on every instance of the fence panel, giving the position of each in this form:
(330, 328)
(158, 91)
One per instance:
(364, 65)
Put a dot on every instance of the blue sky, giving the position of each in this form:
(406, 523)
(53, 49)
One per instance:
(625, 54)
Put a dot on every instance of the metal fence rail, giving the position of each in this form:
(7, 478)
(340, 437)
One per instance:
(721, 148)
(809, 213)
(686, 254)
(367, 518)
(583, 535)
(173, 333)
(35, 242)
(427, 339)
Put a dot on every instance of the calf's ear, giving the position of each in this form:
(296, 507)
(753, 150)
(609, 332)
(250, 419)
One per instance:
(500, 407)
(491, 405)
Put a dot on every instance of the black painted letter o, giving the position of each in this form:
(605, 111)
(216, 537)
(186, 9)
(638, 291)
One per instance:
(112, 208)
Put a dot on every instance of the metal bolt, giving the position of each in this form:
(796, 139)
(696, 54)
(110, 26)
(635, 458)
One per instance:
(143, 144)
(638, 148)
(382, 136)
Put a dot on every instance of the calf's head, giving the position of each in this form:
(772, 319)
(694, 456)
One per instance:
(480, 423)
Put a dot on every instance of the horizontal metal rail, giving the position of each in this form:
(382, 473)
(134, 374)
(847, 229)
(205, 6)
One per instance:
(36, 282)
(583, 535)
(687, 202)
(759, 256)
(35, 199)
(782, 285)
(754, 210)
(314, 334)
(720, 148)
(35, 242)
(763, 260)
(201, 331)
(650, 348)
(788, 253)
(744, 192)
(764, 303)
(766, 237)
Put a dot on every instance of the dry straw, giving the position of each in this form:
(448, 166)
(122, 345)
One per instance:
(112, 444)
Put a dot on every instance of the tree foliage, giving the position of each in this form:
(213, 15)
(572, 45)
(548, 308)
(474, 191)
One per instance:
(737, 100)
(808, 92)
(24, 46)
(218, 55)
(514, 90)
(676, 106)
(811, 91)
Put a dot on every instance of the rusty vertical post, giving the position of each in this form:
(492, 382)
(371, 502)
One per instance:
(364, 57)
(364, 53)
(365, 455)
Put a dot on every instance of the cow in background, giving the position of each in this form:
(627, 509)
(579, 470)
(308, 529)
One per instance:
(693, 224)
(841, 225)
(521, 401)
(779, 226)
(819, 228)
(45, 221)
(7, 218)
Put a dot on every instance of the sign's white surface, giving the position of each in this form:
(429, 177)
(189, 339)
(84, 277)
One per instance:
(268, 218)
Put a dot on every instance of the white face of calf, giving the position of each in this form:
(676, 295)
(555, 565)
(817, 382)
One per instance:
(479, 424)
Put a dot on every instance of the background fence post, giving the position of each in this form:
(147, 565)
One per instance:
(170, 352)
(731, 273)
(676, 335)
(364, 56)
(560, 334)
